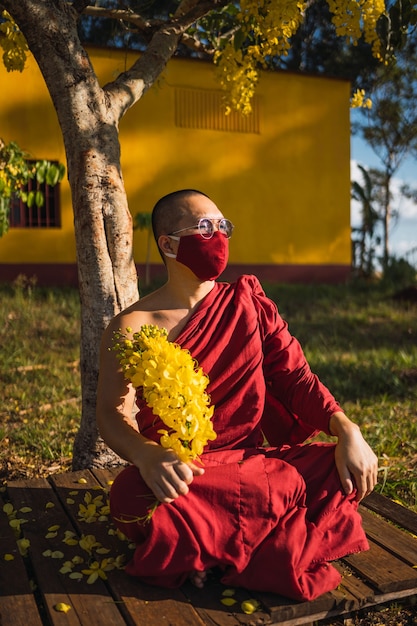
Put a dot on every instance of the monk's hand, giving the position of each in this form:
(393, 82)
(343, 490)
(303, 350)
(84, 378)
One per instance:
(355, 461)
(164, 473)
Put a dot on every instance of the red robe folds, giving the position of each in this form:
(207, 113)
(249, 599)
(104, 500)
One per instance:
(271, 518)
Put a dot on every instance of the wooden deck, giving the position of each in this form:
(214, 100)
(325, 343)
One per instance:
(53, 514)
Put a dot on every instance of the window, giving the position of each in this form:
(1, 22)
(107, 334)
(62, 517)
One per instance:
(46, 216)
(204, 109)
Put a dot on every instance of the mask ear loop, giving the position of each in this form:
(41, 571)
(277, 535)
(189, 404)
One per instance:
(170, 254)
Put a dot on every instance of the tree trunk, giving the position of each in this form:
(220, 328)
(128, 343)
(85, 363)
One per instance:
(386, 220)
(89, 116)
(103, 224)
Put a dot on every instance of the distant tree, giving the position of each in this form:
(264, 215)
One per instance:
(365, 194)
(390, 126)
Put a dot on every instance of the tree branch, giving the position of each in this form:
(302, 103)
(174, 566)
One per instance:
(123, 15)
(131, 85)
(80, 5)
(185, 7)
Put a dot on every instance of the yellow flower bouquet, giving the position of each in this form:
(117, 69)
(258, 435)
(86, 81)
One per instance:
(174, 387)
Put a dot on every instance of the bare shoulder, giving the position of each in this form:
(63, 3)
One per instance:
(143, 311)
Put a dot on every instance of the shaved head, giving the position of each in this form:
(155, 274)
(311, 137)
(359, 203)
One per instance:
(170, 209)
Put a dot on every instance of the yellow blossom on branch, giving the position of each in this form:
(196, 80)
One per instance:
(265, 32)
(13, 43)
(359, 100)
(174, 387)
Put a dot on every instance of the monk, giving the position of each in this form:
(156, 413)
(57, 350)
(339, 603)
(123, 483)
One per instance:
(267, 510)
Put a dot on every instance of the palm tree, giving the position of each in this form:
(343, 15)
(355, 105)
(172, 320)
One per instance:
(365, 194)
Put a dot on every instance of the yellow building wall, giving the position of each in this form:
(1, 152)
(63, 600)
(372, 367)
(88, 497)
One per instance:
(286, 188)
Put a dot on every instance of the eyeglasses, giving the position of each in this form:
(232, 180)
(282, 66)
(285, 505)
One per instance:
(206, 227)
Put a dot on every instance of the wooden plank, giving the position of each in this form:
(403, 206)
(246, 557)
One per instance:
(383, 570)
(139, 603)
(90, 604)
(357, 587)
(283, 610)
(391, 510)
(16, 595)
(208, 603)
(398, 542)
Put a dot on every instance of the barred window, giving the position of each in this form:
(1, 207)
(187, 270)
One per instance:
(204, 109)
(48, 215)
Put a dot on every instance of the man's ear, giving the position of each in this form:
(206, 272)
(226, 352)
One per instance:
(165, 244)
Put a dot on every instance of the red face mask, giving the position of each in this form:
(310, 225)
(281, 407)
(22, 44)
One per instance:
(206, 258)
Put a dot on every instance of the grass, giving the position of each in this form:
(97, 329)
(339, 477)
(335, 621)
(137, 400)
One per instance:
(361, 342)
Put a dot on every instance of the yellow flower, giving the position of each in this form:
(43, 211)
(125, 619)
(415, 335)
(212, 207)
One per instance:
(174, 387)
(88, 543)
(98, 570)
(359, 100)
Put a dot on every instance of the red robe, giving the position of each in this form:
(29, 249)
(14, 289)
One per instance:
(271, 518)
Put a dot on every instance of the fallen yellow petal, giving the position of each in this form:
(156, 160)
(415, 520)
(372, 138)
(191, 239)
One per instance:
(8, 508)
(25, 509)
(228, 601)
(229, 592)
(51, 535)
(23, 545)
(77, 560)
(82, 481)
(92, 578)
(49, 505)
(57, 554)
(250, 606)
(53, 528)
(8, 557)
(14, 523)
(70, 542)
(61, 607)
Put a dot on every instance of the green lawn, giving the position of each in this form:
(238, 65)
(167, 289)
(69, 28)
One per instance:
(358, 338)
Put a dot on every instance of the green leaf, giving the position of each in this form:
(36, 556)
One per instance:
(41, 169)
(52, 175)
(142, 221)
(61, 168)
(39, 199)
(239, 38)
(31, 199)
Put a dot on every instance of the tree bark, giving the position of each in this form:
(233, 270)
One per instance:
(89, 117)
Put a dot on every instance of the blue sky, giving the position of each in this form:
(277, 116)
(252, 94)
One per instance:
(403, 234)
